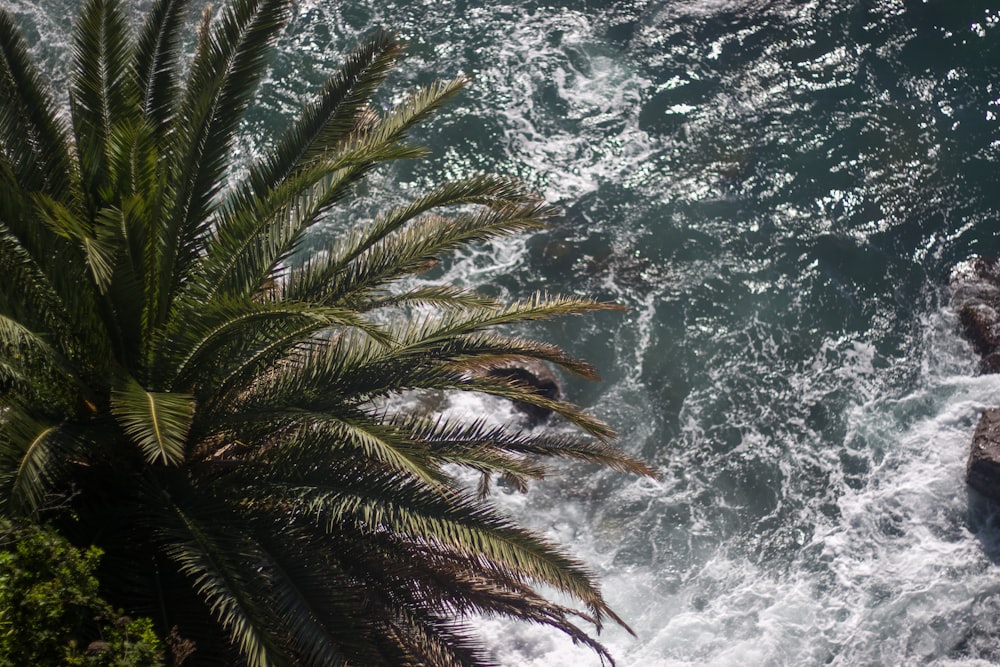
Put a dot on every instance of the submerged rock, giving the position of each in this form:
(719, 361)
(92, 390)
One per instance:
(574, 248)
(534, 374)
(975, 294)
(983, 469)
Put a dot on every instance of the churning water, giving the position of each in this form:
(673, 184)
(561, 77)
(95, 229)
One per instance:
(777, 190)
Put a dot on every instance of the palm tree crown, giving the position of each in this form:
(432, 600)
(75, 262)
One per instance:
(217, 417)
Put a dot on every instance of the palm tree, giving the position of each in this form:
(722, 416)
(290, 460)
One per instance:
(221, 419)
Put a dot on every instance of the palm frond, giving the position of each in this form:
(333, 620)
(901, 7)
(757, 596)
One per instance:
(418, 246)
(157, 60)
(315, 598)
(103, 89)
(210, 555)
(28, 296)
(22, 346)
(454, 439)
(458, 521)
(325, 123)
(32, 137)
(360, 151)
(157, 422)
(437, 296)
(256, 232)
(242, 326)
(392, 128)
(357, 436)
(537, 307)
(227, 68)
(34, 455)
(487, 190)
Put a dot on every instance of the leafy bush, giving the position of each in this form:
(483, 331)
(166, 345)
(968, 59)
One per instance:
(51, 612)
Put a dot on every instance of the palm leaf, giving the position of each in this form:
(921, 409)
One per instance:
(34, 455)
(157, 422)
(17, 340)
(458, 521)
(361, 150)
(27, 295)
(209, 554)
(254, 233)
(229, 64)
(103, 90)
(447, 440)
(240, 327)
(375, 441)
(157, 60)
(437, 296)
(324, 124)
(486, 190)
(32, 138)
(418, 246)
(315, 598)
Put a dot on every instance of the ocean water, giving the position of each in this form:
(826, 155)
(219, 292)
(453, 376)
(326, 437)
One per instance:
(777, 190)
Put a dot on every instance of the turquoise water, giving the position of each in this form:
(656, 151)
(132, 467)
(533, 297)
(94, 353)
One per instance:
(778, 191)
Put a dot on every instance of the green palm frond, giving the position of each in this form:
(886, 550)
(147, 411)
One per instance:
(236, 327)
(538, 306)
(157, 62)
(309, 590)
(437, 296)
(23, 347)
(30, 446)
(418, 107)
(103, 89)
(229, 64)
(456, 521)
(256, 232)
(27, 293)
(158, 422)
(210, 555)
(326, 123)
(35, 455)
(42, 260)
(379, 442)
(32, 138)
(456, 439)
(418, 246)
(486, 190)
(308, 440)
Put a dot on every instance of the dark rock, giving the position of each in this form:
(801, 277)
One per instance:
(534, 374)
(979, 322)
(975, 294)
(983, 469)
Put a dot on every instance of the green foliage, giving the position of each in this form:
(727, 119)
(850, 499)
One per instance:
(51, 612)
(223, 420)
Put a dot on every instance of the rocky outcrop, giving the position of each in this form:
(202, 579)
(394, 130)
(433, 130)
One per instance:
(975, 294)
(534, 374)
(983, 469)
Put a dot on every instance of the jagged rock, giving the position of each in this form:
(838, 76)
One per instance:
(534, 374)
(975, 294)
(983, 469)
